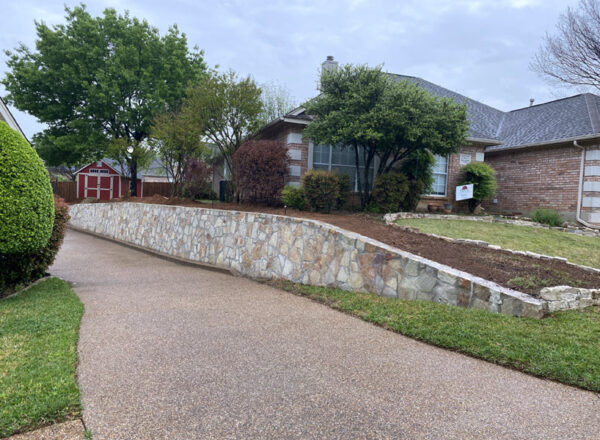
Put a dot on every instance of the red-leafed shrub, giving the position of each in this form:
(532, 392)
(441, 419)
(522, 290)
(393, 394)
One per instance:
(196, 180)
(21, 268)
(261, 168)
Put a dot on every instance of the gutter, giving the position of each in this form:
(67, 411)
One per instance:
(580, 190)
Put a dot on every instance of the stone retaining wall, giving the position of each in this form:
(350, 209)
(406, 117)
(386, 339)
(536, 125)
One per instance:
(298, 250)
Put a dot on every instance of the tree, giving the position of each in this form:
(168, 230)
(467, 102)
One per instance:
(364, 109)
(276, 101)
(177, 138)
(98, 82)
(572, 56)
(228, 109)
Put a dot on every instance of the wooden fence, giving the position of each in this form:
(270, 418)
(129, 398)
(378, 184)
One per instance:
(68, 190)
(160, 188)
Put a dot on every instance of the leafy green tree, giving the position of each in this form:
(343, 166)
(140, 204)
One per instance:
(483, 178)
(98, 82)
(228, 108)
(178, 138)
(364, 109)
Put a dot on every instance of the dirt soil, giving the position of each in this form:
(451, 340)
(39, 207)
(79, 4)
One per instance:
(494, 265)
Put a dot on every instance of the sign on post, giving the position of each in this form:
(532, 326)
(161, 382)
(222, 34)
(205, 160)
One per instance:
(464, 192)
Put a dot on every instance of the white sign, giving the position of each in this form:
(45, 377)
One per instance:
(465, 159)
(464, 192)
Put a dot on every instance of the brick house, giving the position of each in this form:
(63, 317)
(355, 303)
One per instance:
(545, 155)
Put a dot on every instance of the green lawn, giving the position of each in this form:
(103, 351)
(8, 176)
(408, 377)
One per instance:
(563, 347)
(39, 329)
(576, 248)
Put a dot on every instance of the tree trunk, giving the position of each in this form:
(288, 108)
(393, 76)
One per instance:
(133, 175)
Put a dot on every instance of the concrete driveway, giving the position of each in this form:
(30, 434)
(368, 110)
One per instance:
(169, 351)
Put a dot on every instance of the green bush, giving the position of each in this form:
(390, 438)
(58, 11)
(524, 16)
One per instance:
(547, 217)
(321, 190)
(483, 178)
(26, 208)
(20, 268)
(390, 191)
(293, 197)
(343, 190)
(418, 169)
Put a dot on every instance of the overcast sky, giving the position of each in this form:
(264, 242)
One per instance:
(480, 48)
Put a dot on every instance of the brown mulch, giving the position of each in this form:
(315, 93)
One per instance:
(493, 265)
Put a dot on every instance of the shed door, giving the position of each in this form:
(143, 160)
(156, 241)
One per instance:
(91, 186)
(105, 188)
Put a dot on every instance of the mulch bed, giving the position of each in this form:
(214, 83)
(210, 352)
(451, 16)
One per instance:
(493, 265)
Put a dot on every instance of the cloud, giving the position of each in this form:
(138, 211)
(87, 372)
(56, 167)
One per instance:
(480, 48)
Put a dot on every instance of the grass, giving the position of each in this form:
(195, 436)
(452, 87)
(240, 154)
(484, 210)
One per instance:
(576, 248)
(563, 347)
(38, 336)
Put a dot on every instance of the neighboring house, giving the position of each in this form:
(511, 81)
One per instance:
(6, 116)
(106, 179)
(545, 155)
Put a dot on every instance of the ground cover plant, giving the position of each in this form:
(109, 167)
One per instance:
(38, 336)
(563, 347)
(576, 248)
(547, 217)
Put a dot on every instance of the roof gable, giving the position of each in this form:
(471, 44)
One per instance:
(6, 116)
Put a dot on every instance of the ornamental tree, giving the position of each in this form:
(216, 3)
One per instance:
(364, 109)
(98, 82)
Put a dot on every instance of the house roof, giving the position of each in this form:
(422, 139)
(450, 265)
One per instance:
(6, 116)
(561, 120)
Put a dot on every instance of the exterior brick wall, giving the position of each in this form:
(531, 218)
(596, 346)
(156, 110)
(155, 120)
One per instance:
(536, 178)
(454, 166)
(281, 135)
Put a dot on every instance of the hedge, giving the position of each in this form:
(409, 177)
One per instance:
(26, 205)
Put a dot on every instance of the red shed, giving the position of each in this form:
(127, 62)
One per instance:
(100, 180)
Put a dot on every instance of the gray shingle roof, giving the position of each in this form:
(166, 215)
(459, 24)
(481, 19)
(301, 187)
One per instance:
(555, 120)
(567, 118)
(483, 119)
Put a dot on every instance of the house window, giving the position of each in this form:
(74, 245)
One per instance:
(440, 176)
(340, 160)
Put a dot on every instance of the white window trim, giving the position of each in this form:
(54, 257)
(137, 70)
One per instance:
(446, 182)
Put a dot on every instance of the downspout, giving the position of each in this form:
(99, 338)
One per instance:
(580, 190)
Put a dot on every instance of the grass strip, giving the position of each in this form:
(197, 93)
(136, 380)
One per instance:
(564, 347)
(39, 329)
(577, 249)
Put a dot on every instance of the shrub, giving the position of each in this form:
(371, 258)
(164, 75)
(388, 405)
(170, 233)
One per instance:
(26, 208)
(547, 217)
(293, 197)
(196, 180)
(261, 168)
(483, 178)
(321, 190)
(343, 190)
(24, 267)
(390, 191)
(418, 169)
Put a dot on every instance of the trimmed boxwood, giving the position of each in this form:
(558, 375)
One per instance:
(390, 191)
(26, 203)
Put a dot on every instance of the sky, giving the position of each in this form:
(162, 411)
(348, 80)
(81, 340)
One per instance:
(480, 48)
